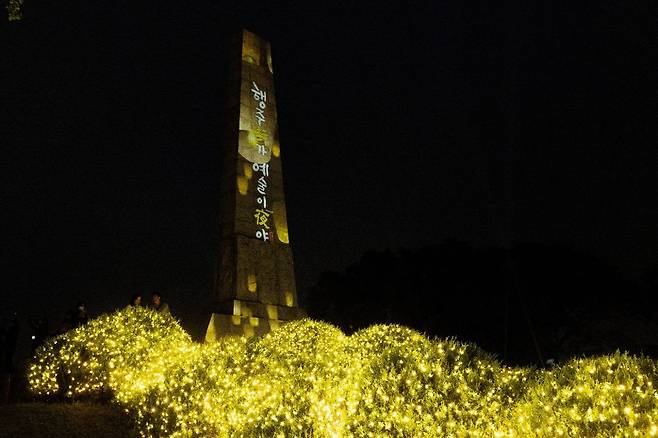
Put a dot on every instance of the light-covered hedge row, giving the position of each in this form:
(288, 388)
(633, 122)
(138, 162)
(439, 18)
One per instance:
(309, 379)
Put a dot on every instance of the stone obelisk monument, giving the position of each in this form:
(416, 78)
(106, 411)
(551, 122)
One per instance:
(255, 284)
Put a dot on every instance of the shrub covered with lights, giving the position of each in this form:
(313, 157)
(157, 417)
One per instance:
(87, 361)
(291, 383)
(300, 381)
(191, 391)
(310, 379)
(413, 386)
(595, 397)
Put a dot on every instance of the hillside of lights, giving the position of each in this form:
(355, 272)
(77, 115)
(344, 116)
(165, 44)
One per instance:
(309, 379)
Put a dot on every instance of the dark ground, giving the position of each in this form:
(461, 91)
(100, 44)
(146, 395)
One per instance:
(23, 417)
(65, 420)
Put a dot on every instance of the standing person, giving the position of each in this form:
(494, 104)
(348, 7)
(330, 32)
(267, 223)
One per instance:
(136, 300)
(79, 316)
(159, 305)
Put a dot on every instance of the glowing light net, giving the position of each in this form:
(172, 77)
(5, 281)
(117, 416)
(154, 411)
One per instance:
(308, 379)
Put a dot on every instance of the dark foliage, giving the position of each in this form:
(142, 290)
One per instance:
(569, 302)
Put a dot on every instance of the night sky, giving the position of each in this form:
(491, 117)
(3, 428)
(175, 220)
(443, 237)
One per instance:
(401, 125)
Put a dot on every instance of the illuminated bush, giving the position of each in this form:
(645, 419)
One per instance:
(395, 371)
(292, 382)
(299, 382)
(416, 387)
(191, 391)
(597, 397)
(85, 361)
(309, 379)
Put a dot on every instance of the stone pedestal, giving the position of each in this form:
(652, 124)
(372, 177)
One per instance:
(222, 324)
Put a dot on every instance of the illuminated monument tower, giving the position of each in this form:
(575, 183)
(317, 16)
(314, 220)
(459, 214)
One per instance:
(255, 284)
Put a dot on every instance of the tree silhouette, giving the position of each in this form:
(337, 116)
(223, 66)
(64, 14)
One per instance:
(569, 302)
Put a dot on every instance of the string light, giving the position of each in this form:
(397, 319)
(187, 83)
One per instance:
(14, 10)
(309, 379)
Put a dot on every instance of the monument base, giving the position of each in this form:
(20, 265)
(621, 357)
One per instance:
(249, 319)
(235, 325)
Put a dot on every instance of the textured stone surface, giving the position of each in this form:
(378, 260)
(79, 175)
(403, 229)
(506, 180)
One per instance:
(255, 285)
(232, 325)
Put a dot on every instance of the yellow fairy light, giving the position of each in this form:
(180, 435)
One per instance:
(310, 379)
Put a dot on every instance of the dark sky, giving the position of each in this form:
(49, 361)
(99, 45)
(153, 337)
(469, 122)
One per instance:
(402, 124)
